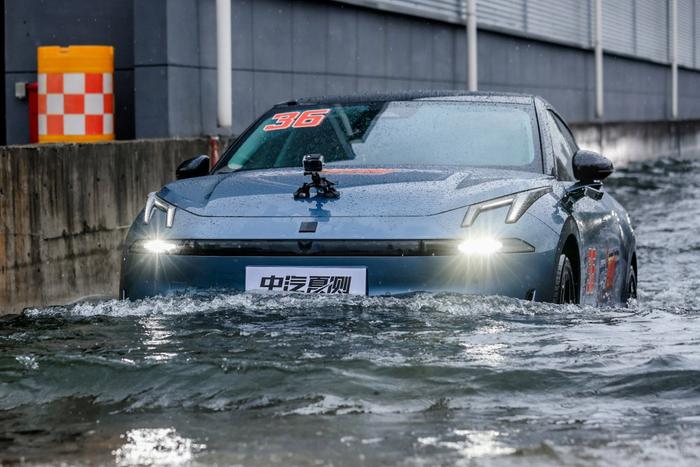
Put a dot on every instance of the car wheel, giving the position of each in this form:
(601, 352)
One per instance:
(564, 283)
(630, 290)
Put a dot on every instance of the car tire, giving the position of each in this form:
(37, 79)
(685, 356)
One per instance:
(565, 290)
(630, 290)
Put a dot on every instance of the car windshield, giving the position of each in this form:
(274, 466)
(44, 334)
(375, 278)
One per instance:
(395, 133)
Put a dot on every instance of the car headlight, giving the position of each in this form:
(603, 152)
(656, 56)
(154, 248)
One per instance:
(154, 202)
(158, 246)
(519, 203)
(487, 246)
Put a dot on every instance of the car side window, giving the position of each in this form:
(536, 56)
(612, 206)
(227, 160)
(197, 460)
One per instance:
(568, 136)
(563, 145)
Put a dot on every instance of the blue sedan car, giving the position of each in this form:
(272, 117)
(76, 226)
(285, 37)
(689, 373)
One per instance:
(478, 193)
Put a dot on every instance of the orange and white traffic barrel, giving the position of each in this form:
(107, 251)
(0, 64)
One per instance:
(76, 94)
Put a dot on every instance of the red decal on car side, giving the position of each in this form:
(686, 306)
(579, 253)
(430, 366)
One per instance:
(590, 270)
(612, 268)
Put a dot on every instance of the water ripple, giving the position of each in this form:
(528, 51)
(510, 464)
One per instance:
(421, 379)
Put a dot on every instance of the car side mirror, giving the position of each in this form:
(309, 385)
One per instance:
(591, 167)
(195, 167)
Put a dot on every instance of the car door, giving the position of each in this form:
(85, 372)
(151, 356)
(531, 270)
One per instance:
(598, 222)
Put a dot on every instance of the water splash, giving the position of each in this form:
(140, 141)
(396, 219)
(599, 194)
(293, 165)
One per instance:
(156, 446)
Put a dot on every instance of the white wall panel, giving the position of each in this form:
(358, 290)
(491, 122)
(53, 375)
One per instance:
(696, 42)
(505, 14)
(652, 28)
(618, 26)
(443, 10)
(562, 20)
(686, 32)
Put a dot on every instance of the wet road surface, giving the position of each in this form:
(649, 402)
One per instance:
(420, 380)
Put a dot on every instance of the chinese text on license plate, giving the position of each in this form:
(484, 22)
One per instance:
(311, 280)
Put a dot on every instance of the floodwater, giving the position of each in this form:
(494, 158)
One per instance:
(419, 380)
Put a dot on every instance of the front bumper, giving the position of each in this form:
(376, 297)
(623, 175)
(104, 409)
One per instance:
(514, 275)
(518, 275)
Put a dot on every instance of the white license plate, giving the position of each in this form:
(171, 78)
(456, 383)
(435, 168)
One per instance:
(311, 280)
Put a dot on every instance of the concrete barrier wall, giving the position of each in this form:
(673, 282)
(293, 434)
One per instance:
(65, 209)
(626, 142)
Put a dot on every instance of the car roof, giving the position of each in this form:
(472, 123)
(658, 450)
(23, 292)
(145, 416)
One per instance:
(435, 95)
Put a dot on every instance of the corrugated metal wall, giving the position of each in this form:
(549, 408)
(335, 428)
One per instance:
(567, 21)
(638, 28)
(686, 32)
(651, 21)
(696, 32)
(443, 10)
(618, 26)
(563, 20)
(507, 14)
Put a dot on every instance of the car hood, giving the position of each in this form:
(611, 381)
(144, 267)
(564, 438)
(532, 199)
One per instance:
(363, 192)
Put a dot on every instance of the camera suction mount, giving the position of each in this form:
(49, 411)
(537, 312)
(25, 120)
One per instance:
(313, 165)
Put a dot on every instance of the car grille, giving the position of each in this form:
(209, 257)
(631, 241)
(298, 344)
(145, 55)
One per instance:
(313, 247)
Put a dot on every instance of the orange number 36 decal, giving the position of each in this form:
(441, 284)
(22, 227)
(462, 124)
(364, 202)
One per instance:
(308, 119)
(284, 121)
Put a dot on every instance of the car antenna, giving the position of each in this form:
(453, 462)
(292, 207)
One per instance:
(313, 165)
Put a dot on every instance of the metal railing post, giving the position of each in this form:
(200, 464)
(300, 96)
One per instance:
(224, 81)
(598, 46)
(472, 58)
(674, 58)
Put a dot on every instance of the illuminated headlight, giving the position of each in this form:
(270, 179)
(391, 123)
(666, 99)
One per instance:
(518, 202)
(156, 246)
(486, 246)
(154, 202)
(480, 246)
